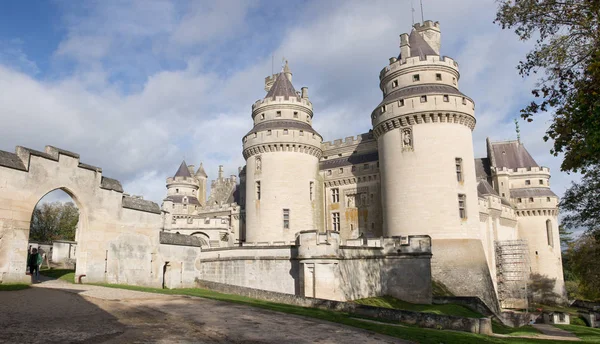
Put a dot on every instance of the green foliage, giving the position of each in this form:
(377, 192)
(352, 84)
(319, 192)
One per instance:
(566, 59)
(390, 302)
(53, 221)
(62, 274)
(415, 334)
(584, 261)
(580, 202)
(13, 287)
(577, 321)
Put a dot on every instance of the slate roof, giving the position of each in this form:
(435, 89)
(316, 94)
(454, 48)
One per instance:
(482, 168)
(531, 192)
(418, 46)
(484, 188)
(412, 91)
(179, 199)
(183, 171)
(282, 87)
(140, 204)
(512, 154)
(201, 172)
(353, 159)
(11, 160)
(283, 124)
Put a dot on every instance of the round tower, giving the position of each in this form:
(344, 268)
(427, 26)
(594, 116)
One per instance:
(423, 128)
(182, 189)
(282, 154)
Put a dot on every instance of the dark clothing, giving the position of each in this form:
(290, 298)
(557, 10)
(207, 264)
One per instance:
(34, 270)
(33, 259)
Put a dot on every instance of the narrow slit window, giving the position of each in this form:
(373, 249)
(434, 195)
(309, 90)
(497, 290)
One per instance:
(462, 206)
(459, 169)
(286, 218)
(446, 98)
(311, 187)
(258, 190)
(549, 233)
(295, 114)
(335, 195)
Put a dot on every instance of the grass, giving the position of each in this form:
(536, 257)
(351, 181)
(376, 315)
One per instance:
(586, 334)
(527, 330)
(13, 287)
(448, 309)
(62, 274)
(440, 289)
(547, 308)
(416, 334)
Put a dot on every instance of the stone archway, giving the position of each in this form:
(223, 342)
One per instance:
(109, 218)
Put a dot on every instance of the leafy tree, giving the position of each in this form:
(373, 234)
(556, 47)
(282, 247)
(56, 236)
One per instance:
(541, 290)
(585, 264)
(566, 57)
(52, 221)
(581, 203)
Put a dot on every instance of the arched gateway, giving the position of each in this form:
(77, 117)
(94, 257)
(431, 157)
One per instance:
(118, 235)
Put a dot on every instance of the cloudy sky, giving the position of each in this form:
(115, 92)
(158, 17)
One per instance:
(134, 87)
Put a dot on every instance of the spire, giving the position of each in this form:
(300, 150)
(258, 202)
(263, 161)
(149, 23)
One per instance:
(201, 172)
(287, 71)
(282, 87)
(418, 46)
(183, 171)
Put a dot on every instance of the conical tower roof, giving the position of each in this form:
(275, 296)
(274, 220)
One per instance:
(418, 46)
(183, 171)
(201, 172)
(282, 87)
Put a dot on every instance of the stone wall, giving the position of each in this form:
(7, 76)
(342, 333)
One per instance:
(428, 320)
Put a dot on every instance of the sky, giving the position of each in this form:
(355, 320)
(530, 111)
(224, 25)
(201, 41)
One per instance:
(135, 87)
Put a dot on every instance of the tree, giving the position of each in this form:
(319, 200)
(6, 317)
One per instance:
(540, 290)
(584, 259)
(52, 221)
(567, 58)
(581, 204)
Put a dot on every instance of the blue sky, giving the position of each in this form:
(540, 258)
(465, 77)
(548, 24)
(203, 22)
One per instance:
(136, 86)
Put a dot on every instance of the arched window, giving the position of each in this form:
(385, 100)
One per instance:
(549, 233)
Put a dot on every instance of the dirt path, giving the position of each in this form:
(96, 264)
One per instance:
(58, 312)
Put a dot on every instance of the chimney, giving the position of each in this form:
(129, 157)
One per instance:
(220, 171)
(404, 47)
(304, 92)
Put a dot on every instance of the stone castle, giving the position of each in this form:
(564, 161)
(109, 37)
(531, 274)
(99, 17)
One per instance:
(413, 174)
(388, 212)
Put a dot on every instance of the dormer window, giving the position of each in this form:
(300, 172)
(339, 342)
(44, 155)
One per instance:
(416, 78)
(394, 83)
(438, 77)
(278, 114)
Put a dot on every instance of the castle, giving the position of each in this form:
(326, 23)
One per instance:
(408, 190)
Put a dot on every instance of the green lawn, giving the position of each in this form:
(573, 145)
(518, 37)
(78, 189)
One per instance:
(62, 274)
(390, 302)
(416, 334)
(12, 287)
(586, 334)
(527, 330)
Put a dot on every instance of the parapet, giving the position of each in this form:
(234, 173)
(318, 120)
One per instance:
(428, 24)
(348, 141)
(297, 101)
(139, 203)
(524, 170)
(442, 61)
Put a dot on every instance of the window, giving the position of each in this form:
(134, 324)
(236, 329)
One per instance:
(446, 98)
(547, 199)
(307, 118)
(503, 194)
(341, 170)
(335, 195)
(255, 135)
(278, 114)
(438, 76)
(365, 166)
(285, 132)
(464, 101)
(541, 182)
(454, 81)
(206, 221)
(328, 172)
(336, 221)
(353, 168)
(311, 187)
(382, 109)
(520, 200)
(258, 190)
(286, 218)
(176, 190)
(462, 206)
(269, 132)
(459, 174)
(295, 114)
(423, 99)
(416, 77)
(528, 182)
(394, 83)
(190, 220)
(549, 233)
(401, 102)
(301, 132)
(262, 116)
(531, 199)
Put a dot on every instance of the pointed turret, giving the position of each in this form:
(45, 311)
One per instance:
(201, 172)
(282, 87)
(183, 171)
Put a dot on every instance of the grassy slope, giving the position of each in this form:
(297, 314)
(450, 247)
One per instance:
(63, 274)
(587, 334)
(419, 335)
(12, 287)
(390, 302)
(527, 330)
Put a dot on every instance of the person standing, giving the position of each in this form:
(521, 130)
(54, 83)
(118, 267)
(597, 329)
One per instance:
(35, 259)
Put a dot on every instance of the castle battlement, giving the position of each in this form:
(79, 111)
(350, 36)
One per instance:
(427, 25)
(219, 207)
(348, 141)
(184, 180)
(416, 61)
(282, 102)
(524, 170)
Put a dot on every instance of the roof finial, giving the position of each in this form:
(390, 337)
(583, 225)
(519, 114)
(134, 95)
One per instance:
(283, 63)
(422, 16)
(412, 11)
(518, 130)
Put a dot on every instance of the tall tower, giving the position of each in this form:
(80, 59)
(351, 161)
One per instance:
(282, 155)
(423, 128)
(201, 176)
